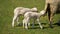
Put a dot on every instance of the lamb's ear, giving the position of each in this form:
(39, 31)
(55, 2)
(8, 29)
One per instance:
(34, 9)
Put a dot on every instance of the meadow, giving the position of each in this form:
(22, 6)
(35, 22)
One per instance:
(6, 14)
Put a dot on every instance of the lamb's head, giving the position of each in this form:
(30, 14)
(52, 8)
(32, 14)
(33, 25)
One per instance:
(34, 9)
(42, 12)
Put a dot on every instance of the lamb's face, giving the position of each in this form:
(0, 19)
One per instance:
(42, 12)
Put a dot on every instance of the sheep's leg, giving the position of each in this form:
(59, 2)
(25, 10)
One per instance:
(51, 14)
(50, 18)
(39, 23)
(14, 18)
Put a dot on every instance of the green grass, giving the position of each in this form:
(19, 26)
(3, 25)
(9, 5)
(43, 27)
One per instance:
(6, 15)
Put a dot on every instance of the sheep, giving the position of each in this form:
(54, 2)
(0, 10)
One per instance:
(21, 11)
(51, 7)
(35, 15)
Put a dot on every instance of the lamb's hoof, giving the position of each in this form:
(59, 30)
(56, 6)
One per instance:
(26, 28)
(13, 26)
(33, 26)
(18, 25)
(41, 27)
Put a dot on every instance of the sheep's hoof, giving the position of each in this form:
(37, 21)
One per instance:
(51, 26)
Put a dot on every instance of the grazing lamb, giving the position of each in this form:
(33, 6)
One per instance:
(21, 11)
(29, 15)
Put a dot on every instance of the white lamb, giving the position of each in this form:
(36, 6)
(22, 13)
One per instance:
(35, 15)
(21, 11)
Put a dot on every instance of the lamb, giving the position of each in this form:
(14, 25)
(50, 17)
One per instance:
(35, 15)
(21, 11)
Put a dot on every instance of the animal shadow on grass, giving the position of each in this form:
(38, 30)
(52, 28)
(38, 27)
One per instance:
(58, 23)
(36, 26)
(20, 24)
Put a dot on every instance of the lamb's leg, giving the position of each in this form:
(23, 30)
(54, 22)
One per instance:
(26, 25)
(14, 18)
(23, 22)
(39, 23)
(26, 22)
(33, 23)
(17, 20)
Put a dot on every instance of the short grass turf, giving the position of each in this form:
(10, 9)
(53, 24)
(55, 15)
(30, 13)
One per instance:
(6, 14)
